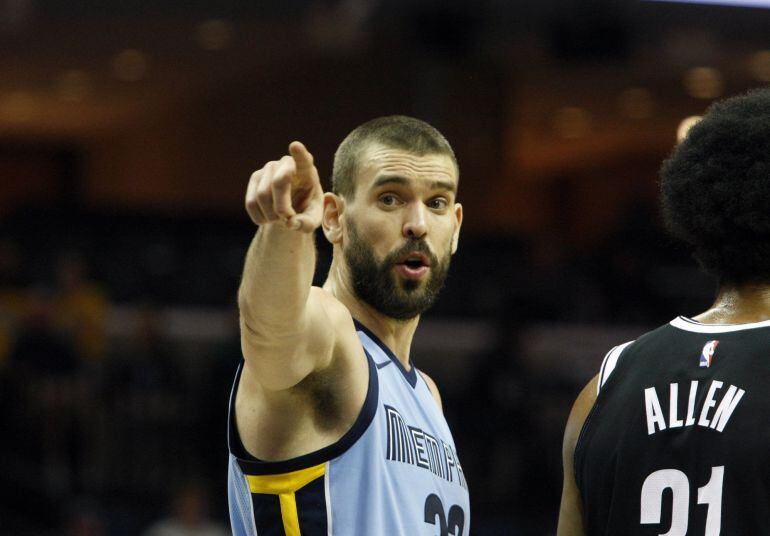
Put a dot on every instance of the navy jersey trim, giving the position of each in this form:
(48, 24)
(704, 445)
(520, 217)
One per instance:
(410, 375)
(266, 510)
(253, 466)
(312, 509)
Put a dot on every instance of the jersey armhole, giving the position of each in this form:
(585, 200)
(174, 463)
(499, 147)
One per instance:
(251, 465)
(436, 397)
(609, 363)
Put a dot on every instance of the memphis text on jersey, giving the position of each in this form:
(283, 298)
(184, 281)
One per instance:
(713, 411)
(409, 444)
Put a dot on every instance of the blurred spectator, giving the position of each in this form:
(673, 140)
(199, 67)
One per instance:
(144, 398)
(41, 350)
(493, 448)
(11, 295)
(145, 364)
(81, 307)
(43, 366)
(189, 516)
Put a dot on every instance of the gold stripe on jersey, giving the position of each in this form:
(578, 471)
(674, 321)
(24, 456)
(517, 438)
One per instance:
(285, 485)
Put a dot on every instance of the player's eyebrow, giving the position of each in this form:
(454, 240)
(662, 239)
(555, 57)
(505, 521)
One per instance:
(403, 181)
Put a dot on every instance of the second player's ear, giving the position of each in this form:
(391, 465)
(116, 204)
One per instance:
(334, 207)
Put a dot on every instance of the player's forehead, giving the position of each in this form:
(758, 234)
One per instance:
(378, 161)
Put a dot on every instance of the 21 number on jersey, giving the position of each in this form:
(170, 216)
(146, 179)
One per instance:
(710, 494)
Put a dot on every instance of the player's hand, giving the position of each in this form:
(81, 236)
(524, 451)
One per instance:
(287, 190)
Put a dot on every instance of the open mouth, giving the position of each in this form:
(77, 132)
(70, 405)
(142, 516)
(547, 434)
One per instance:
(413, 266)
(414, 260)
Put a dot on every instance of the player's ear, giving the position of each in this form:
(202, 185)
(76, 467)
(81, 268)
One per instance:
(334, 206)
(458, 223)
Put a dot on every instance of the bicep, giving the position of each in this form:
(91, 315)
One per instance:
(571, 510)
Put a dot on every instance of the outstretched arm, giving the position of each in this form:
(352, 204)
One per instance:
(280, 342)
(571, 522)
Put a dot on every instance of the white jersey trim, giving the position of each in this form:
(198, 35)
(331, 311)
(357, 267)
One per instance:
(251, 509)
(327, 492)
(688, 324)
(609, 363)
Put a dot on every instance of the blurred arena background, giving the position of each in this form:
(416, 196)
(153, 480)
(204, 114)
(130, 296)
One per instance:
(128, 130)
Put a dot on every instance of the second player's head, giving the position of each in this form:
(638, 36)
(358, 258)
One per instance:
(716, 189)
(392, 215)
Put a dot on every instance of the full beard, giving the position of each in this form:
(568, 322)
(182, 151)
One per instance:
(377, 285)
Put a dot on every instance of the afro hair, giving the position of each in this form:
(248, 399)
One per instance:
(715, 189)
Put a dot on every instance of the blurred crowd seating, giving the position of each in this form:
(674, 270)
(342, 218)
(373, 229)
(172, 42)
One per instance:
(107, 409)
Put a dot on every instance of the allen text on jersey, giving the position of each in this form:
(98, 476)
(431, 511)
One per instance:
(713, 411)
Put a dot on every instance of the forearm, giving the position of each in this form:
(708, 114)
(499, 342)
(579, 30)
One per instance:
(277, 277)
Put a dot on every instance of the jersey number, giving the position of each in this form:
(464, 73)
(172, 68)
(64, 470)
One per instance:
(451, 523)
(675, 480)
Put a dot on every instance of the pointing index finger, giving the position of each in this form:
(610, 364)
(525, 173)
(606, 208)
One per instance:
(302, 157)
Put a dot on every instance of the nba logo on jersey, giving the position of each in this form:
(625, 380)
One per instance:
(707, 355)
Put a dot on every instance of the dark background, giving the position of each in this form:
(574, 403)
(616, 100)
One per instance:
(128, 131)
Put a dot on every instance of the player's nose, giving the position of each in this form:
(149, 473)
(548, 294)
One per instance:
(415, 224)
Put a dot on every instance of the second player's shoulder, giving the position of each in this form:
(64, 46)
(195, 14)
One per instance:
(610, 363)
(647, 351)
(580, 410)
(570, 511)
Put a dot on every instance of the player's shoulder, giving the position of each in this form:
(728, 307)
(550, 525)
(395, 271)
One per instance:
(332, 315)
(331, 305)
(583, 405)
(610, 363)
(432, 387)
(661, 335)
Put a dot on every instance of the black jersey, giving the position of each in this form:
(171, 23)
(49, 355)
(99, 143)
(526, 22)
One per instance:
(678, 441)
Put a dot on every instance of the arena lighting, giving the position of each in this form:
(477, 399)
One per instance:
(129, 65)
(17, 106)
(736, 3)
(685, 125)
(73, 85)
(703, 82)
(213, 34)
(759, 65)
(572, 122)
(635, 103)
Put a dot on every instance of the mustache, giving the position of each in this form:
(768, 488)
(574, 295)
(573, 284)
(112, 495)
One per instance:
(412, 246)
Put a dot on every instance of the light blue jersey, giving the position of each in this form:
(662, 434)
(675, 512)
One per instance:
(395, 472)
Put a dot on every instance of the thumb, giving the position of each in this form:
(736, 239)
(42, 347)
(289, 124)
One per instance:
(309, 219)
(302, 222)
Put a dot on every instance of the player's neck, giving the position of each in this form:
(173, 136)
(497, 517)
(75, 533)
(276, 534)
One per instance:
(395, 334)
(742, 304)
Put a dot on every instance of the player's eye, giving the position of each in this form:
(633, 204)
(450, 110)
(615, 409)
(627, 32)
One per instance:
(438, 203)
(388, 200)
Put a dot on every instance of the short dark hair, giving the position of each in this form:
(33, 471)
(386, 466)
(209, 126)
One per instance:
(393, 131)
(715, 189)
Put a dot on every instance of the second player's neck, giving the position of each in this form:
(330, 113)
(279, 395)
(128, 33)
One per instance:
(738, 305)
